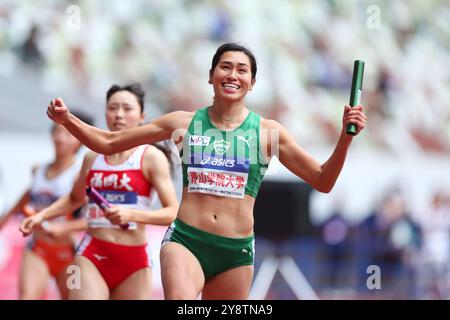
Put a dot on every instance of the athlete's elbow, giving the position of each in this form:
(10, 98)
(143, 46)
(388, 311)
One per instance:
(324, 187)
(105, 146)
(172, 215)
(171, 219)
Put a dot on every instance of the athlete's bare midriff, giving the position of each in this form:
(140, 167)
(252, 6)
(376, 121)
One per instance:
(218, 215)
(118, 236)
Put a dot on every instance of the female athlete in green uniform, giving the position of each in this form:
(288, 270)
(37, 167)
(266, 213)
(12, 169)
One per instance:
(225, 148)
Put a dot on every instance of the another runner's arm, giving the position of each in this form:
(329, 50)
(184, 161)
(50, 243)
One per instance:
(24, 199)
(77, 196)
(20, 204)
(61, 228)
(106, 142)
(66, 203)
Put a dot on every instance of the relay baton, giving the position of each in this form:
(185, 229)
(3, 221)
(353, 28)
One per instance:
(101, 202)
(355, 93)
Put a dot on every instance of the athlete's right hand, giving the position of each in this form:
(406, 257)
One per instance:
(29, 224)
(57, 111)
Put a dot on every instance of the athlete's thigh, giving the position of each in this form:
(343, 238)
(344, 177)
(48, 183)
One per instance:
(92, 285)
(228, 285)
(34, 276)
(181, 274)
(138, 286)
(61, 281)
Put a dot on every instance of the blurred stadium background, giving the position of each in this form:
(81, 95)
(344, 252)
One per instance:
(391, 204)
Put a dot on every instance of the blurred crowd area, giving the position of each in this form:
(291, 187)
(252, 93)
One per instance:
(409, 250)
(305, 52)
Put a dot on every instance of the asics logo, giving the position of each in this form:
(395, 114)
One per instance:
(205, 161)
(218, 162)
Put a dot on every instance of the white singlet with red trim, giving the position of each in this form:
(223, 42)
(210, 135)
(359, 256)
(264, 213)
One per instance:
(45, 191)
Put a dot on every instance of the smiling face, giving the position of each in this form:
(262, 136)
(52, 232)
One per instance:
(123, 111)
(232, 76)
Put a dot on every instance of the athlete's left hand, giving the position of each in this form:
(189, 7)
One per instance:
(356, 116)
(117, 215)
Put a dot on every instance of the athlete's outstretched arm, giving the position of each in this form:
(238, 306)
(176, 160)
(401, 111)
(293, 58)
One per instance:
(24, 199)
(321, 177)
(19, 206)
(107, 142)
(59, 229)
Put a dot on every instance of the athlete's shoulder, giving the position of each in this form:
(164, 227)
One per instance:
(269, 124)
(176, 120)
(181, 113)
(90, 155)
(88, 159)
(154, 163)
(153, 153)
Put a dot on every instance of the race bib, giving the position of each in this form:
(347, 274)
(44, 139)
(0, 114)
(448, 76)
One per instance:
(219, 176)
(96, 216)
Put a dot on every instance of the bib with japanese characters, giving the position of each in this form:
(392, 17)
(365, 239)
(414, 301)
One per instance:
(222, 163)
(122, 185)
